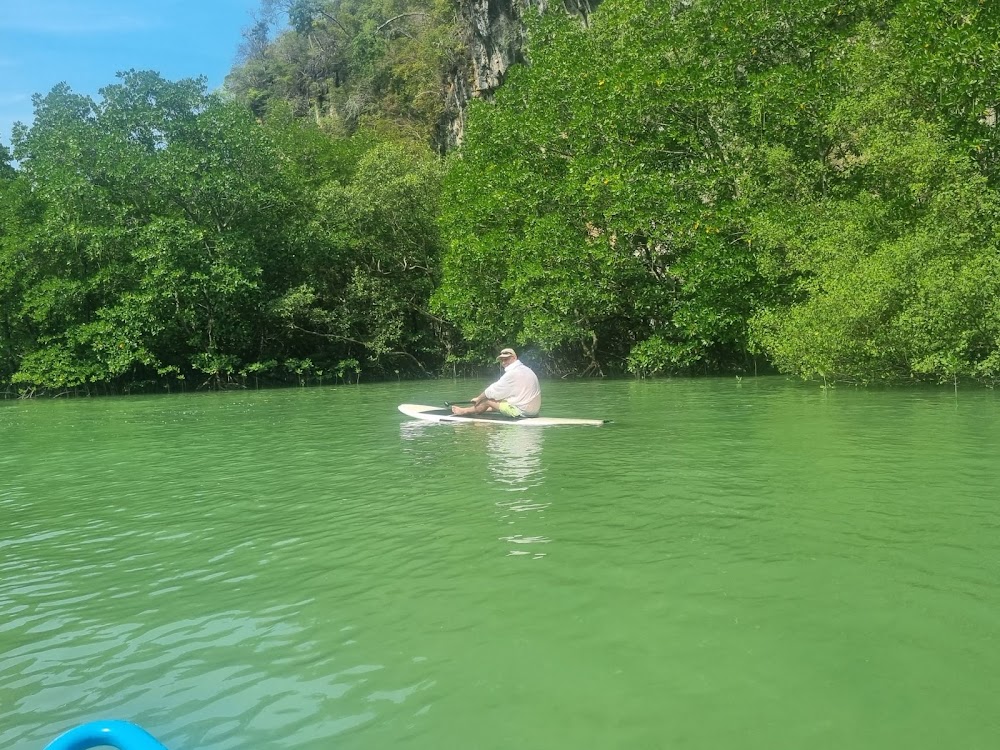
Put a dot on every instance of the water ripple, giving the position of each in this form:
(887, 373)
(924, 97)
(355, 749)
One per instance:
(754, 565)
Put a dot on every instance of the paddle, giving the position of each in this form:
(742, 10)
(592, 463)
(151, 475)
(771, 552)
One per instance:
(457, 403)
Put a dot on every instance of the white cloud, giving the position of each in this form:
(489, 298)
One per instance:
(8, 100)
(64, 17)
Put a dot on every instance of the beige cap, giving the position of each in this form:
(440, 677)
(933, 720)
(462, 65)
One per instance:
(504, 353)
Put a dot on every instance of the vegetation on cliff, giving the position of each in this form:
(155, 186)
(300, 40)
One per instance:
(345, 64)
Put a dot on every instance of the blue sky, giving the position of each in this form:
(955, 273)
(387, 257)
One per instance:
(85, 42)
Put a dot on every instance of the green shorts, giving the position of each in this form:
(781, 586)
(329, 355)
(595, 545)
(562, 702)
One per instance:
(509, 409)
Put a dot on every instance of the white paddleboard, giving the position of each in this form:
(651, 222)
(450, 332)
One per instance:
(440, 414)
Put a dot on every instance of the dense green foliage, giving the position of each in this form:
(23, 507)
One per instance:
(685, 184)
(164, 235)
(689, 186)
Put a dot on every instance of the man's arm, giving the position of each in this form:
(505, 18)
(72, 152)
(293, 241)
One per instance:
(499, 390)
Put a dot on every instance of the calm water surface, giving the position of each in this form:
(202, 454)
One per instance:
(755, 565)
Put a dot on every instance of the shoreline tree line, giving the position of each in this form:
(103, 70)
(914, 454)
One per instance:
(700, 186)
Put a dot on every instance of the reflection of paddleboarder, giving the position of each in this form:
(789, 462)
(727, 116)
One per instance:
(516, 393)
(515, 458)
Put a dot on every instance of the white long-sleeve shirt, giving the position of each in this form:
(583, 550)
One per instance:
(517, 386)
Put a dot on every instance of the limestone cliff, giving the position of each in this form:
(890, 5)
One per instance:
(495, 40)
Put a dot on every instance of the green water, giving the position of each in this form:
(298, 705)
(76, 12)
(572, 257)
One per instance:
(728, 565)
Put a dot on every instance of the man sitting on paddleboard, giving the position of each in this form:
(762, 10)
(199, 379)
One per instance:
(516, 393)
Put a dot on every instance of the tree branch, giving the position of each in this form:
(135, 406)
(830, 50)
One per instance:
(396, 18)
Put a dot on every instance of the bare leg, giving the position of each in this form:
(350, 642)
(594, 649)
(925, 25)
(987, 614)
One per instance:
(483, 406)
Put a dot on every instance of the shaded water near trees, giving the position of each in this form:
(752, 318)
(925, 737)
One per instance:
(757, 565)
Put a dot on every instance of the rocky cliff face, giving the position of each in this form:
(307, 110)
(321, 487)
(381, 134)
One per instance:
(495, 39)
